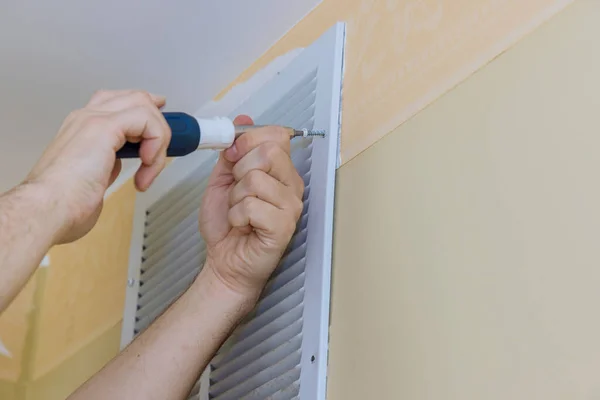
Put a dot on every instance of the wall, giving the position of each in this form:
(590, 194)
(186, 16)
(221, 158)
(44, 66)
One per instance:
(14, 332)
(84, 291)
(66, 324)
(72, 372)
(466, 248)
(353, 346)
(403, 54)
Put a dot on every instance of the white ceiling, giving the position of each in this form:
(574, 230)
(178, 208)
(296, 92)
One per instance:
(55, 54)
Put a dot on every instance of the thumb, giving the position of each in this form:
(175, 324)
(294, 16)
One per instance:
(222, 172)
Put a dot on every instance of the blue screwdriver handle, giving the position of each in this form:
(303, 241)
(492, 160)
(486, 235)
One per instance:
(185, 137)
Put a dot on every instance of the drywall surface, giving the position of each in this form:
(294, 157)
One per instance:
(403, 54)
(14, 329)
(82, 327)
(8, 390)
(466, 249)
(55, 54)
(74, 371)
(84, 290)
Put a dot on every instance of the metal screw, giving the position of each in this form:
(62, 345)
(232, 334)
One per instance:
(130, 282)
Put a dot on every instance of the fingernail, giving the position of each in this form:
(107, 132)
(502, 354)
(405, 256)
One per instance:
(231, 153)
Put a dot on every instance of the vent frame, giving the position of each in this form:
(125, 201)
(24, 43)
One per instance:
(325, 58)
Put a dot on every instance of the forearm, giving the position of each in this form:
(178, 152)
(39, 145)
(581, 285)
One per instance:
(165, 360)
(29, 222)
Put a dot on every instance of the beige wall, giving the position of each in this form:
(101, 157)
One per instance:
(452, 261)
(403, 54)
(8, 390)
(467, 262)
(65, 325)
(14, 332)
(73, 371)
(84, 292)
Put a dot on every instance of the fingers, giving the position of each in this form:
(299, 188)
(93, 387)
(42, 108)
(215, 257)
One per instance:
(249, 141)
(274, 224)
(263, 186)
(145, 123)
(243, 120)
(139, 119)
(270, 158)
(146, 174)
(221, 175)
(115, 100)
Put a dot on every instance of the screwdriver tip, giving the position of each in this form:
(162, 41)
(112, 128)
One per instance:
(311, 132)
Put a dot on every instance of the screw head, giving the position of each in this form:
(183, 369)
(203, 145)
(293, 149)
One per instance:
(130, 282)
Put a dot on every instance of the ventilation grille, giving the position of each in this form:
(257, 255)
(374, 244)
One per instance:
(261, 359)
(173, 250)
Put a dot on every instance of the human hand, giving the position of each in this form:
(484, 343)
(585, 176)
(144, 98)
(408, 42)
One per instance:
(80, 163)
(251, 205)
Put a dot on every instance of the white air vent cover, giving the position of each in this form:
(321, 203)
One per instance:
(280, 350)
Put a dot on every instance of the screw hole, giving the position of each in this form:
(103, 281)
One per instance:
(312, 359)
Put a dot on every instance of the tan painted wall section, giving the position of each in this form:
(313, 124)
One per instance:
(403, 54)
(466, 248)
(14, 327)
(74, 371)
(393, 306)
(84, 293)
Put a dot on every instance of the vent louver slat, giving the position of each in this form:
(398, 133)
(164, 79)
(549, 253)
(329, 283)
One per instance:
(255, 366)
(174, 195)
(157, 230)
(277, 384)
(187, 229)
(224, 369)
(273, 379)
(276, 114)
(190, 196)
(288, 393)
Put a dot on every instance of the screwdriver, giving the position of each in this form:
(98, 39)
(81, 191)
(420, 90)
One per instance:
(189, 134)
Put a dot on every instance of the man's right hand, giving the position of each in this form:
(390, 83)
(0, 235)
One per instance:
(80, 164)
(250, 209)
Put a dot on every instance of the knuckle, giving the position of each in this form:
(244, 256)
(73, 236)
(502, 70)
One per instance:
(298, 207)
(254, 180)
(300, 184)
(140, 97)
(269, 151)
(248, 205)
(283, 138)
(95, 120)
(290, 227)
(73, 116)
(280, 133)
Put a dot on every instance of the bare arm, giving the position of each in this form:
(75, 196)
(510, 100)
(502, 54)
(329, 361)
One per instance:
(167, 359)
(248, 215)
(61, 198)
(29, 220)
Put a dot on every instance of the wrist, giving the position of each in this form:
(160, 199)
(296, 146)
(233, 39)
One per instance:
(210, 283)
(44, 207)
